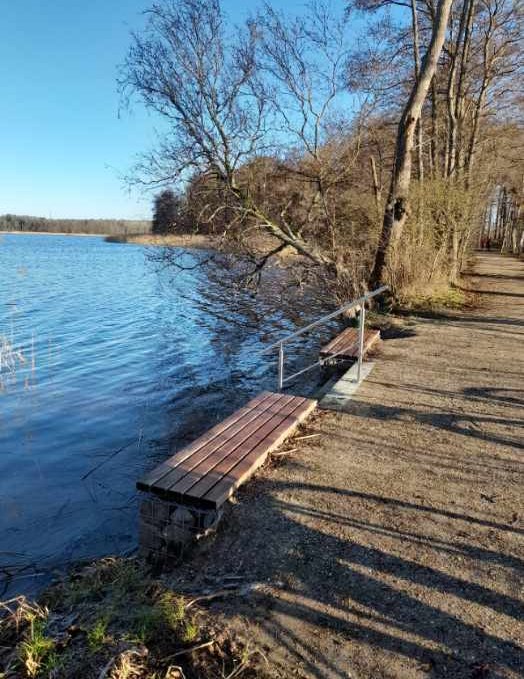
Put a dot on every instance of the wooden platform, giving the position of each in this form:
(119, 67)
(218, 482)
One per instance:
(345, 345)
(207, 472)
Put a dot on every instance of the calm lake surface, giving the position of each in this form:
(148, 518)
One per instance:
(116, 361)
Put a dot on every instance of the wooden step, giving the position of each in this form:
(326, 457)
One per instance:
(207, 472)
(345, 345)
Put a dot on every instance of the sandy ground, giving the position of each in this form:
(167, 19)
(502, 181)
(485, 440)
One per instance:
(392, 544)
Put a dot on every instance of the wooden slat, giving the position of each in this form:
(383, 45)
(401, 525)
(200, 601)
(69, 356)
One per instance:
(224, 488)
(227, 463)
(208, 471)
(225, 441)
(186, 475)
(370, 338)
(149, 480)
(340, 340)
(346, 344)
(347, 336)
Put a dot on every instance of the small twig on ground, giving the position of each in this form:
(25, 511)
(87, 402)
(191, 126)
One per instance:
(208, 597)
(284, 452)
(184, 651)
(221, 593)
(15, 600)
(308, 436)
(245, 664)
(107, 667)
(237, 670)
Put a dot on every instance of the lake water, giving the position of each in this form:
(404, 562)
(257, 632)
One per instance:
(113, 361)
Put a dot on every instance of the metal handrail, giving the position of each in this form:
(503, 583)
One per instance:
(359, 303)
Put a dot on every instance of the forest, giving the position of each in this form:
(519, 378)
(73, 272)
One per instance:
(109, 227)
(377, 141)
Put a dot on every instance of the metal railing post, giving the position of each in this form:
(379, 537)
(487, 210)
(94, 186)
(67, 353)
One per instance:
(280, 366)
(355, 304)
(361, 323)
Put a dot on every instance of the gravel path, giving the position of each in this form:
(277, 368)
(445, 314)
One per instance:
(392, 544)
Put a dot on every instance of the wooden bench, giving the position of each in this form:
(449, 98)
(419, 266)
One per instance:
(344, 347)
(206, 472)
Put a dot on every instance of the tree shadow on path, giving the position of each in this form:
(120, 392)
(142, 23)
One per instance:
(323, 576)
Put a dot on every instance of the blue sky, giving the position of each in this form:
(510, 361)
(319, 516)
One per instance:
(63, 145)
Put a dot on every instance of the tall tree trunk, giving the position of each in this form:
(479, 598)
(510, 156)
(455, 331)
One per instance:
(472, 145)
(479, 105)
(434, 152)
(485, 226)
(416, 60)
(397, 204)
(460, 95)
(507, 236)
(455, 250)
(498, 211)
(377, 189)
(500, 214)
(452, 96)
(434, 148)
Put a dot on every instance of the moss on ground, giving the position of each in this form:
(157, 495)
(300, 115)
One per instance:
(113, 620)
(443, 298)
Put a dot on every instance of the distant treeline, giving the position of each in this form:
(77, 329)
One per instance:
(112, 227)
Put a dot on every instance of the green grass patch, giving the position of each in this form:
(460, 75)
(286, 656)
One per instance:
(114, 611)
(97, 635)
(36, 651)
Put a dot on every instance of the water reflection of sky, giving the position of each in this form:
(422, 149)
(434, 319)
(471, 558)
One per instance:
(121, 360)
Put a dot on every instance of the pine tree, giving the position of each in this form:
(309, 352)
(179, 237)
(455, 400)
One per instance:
(165, 212)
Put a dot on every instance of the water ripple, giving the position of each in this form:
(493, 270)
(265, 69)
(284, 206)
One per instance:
(115, 355)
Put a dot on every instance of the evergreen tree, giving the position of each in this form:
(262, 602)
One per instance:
(165, 212)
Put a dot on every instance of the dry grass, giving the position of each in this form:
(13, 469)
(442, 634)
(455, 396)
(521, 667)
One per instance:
(433, 297)
(113, 620)
(258, 242)
(196, 240)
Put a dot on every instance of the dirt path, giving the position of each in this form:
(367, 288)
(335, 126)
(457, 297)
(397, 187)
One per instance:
(392, 545)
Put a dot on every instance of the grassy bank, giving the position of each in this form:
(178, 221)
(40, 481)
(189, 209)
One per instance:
(196, 240)
(114, 620)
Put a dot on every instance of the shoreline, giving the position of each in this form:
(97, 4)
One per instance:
(51, 233)
(196, 240)
(171, 240)
(393, 445)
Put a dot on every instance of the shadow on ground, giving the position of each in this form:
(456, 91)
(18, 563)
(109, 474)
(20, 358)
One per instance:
(365, 596)
(390, 545)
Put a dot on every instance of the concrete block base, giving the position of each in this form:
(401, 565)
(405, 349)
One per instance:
(342, 391)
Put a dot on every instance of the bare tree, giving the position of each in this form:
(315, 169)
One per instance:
(270, 88)
(397, 204)
(494, 67)
(270, 154)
